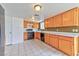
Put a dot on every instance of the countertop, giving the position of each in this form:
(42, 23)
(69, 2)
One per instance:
(61, 33)
(58, 33)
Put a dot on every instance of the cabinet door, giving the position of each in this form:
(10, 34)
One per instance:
(51, 40)
(66, 46)
(25, 36)
(37, 35)
(76, 16)
(58, 20)
(46, 23)
(47, 39)
(54, 41)
(25, 24)
(52, 24)
(68, 18)
(78, 44)
(36, 25)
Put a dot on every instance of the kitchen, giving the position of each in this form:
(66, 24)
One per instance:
(53, 26)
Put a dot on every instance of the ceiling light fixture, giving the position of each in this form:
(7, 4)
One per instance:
(37, 7)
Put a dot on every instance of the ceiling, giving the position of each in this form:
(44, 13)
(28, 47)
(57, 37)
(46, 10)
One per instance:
(25, 10)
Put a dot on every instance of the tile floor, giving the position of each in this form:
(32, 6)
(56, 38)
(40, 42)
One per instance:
(31, 48)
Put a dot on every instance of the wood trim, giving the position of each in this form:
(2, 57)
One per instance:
(75, 46)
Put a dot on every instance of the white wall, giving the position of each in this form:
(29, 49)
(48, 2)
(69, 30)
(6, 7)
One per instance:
(8, 29)
(13, 30)
(17, 30)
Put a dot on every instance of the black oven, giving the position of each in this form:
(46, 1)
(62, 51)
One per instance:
(30, 35)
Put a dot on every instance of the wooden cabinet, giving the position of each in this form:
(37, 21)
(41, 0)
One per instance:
(51, 40)
(47, 38)
(36, 25)
(25, 36)
(66, 46)
(70, 17)
(46, 23)
(78, 44)
(37, 35)
(51, 22)
(76, 16)
(54, 41)
(25, 24)
(58, 20)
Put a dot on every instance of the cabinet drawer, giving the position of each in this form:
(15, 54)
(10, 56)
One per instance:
(66, 38)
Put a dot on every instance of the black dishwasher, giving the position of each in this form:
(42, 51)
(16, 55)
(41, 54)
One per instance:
(42, 37)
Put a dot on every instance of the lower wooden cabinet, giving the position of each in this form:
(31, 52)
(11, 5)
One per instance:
(63, 43)
(78, 44)
(54, 41)
(37, 35)
(25, 36)
(47, 39)
(66, 46)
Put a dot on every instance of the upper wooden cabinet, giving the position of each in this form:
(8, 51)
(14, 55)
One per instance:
(51, 22)
(68, 18)
(25, 24)
(58, 21)
(36, 25)
(46, 23)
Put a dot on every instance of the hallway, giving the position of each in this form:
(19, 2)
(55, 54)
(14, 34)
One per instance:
(31, 48)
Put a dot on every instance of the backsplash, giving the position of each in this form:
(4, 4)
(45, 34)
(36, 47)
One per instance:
(74, 29)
